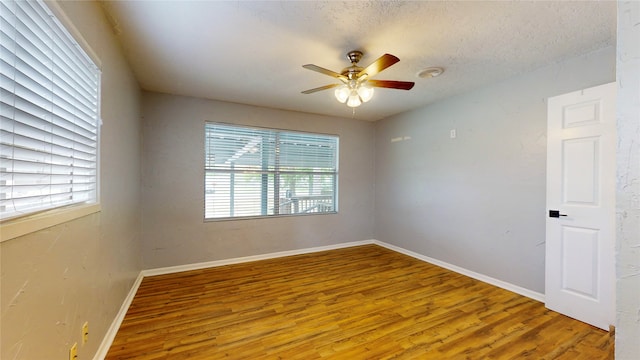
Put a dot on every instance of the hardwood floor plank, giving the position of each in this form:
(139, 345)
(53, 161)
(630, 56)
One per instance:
(365, 302)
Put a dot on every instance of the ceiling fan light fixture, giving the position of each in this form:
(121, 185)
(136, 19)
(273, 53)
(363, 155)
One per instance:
(357, 85)
(342, 93)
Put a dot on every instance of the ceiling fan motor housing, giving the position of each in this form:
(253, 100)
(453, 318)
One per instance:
(352, 71)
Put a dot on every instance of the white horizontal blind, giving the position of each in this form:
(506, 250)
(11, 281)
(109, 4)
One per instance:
(49, 101)
(264, 172)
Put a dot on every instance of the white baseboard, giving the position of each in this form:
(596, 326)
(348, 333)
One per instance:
(487, 279)
(216, 263)
(115, 325)
(113, 330)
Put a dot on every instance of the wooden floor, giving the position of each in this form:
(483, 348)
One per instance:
(363, 302)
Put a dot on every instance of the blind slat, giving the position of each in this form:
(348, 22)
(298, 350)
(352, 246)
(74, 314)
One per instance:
(46, 136)
(46, 92)
(31, 125)
(25, 148)
(31, 157)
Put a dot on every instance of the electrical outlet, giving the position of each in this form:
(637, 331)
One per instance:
(73, 352)
(85, 333)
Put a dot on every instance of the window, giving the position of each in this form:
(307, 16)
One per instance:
(262, 172)
(49, 101)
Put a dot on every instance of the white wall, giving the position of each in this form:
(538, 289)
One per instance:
(477, 201)
(628, 183)
(174, 232)
(56, 279)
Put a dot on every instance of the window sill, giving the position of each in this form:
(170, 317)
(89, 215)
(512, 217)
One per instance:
(212, 219)
(14, 228)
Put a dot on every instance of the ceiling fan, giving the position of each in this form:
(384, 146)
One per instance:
(357, 85)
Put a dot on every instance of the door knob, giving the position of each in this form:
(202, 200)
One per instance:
(555, 213)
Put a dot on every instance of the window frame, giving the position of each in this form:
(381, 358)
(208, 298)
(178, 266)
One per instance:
(276, 172)
(36, 220)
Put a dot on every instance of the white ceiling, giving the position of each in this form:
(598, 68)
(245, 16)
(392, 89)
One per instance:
(252, 52)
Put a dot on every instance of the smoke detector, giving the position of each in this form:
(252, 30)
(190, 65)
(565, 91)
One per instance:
(430, 72)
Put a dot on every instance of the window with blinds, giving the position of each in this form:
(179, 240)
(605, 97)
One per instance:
(253, 172)
(49, 101)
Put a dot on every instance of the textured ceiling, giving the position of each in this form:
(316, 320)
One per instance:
(252, 52)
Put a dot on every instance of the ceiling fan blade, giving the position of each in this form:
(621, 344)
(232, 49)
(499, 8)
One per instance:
(391, 84)
(380, 64)
(322, 70)
(310, 91)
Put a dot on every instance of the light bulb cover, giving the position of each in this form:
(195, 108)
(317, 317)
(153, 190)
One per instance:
(354, 99)
(365, 92)
(342, 93)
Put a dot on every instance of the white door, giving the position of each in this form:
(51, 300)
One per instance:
(580, 239)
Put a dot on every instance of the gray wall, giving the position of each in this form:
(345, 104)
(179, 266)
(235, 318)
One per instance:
(174, 232)
(477, 201)
(628, 183)
(56, 279)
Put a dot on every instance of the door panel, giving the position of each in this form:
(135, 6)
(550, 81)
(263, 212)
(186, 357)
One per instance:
(580, 239)
(585, 113)
(580, 261)
(580, 171)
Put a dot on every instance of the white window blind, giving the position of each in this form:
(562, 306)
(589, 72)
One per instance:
(264, 172)
(49, 101)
